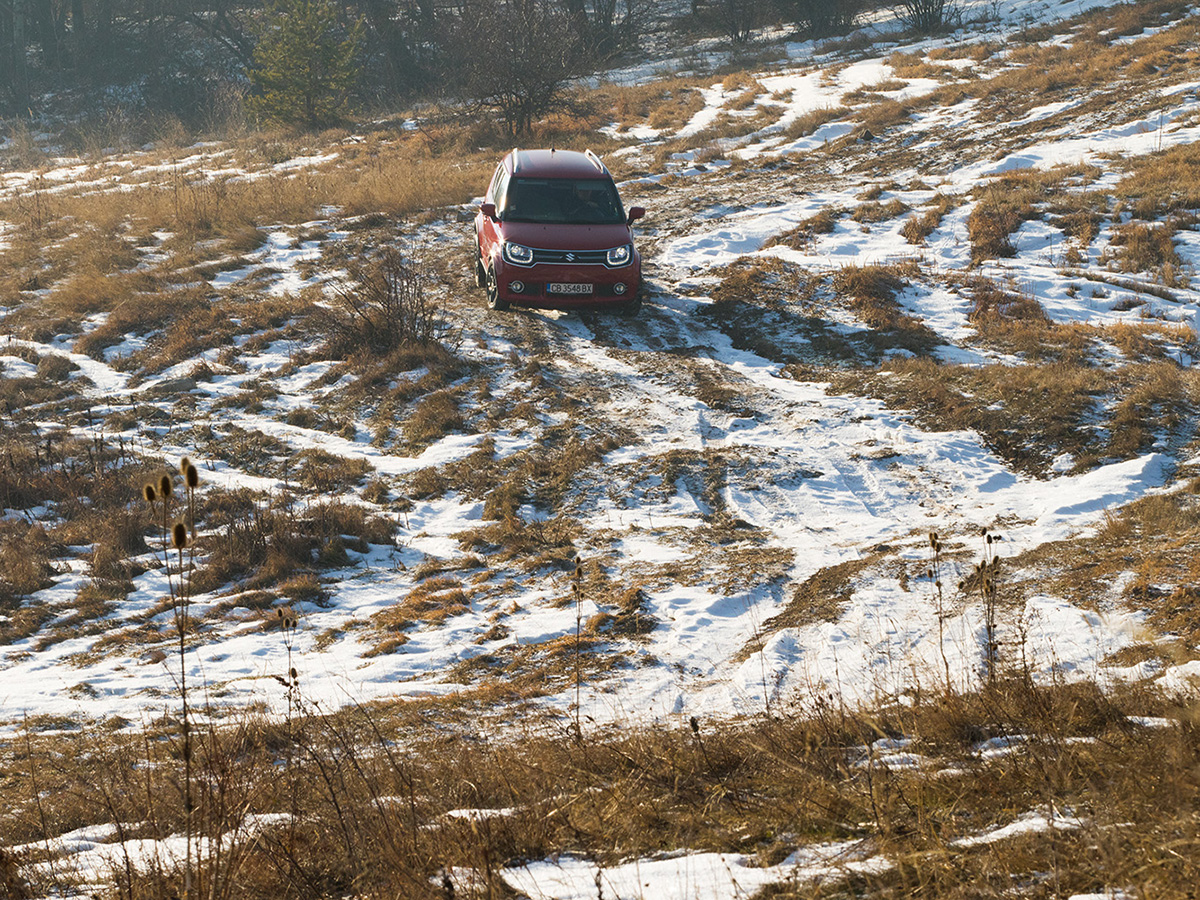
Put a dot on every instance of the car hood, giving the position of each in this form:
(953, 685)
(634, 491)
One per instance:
(566, 237)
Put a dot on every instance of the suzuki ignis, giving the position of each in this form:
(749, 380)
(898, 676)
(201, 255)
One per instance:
(552, 233)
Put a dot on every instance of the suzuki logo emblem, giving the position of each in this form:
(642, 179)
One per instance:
(570, 257)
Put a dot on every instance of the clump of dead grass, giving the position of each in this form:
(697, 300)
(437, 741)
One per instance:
(801, 235)
(872, 292)
(991, 223)
(256, 541)
(1147, 248)
(803, 126)
(873, 211)
(918, 228)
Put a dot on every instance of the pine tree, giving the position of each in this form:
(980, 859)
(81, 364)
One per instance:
(305, 65)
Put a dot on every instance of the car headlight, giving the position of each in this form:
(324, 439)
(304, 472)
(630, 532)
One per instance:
(620, 256)
(517, 254)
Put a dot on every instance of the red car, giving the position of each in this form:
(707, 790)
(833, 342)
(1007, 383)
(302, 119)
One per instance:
(552, 233)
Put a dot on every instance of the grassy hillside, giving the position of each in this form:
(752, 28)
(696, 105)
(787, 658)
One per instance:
(861, 563)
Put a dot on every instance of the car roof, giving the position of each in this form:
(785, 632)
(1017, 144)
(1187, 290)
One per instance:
(555, 164)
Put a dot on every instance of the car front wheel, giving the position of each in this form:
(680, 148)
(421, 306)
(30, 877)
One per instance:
(494, 300)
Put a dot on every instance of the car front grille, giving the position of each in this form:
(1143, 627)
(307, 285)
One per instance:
(571, 257)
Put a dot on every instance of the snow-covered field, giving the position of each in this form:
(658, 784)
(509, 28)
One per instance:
(817, 477)
(850, 496)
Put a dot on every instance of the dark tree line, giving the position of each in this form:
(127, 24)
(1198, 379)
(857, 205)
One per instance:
(514, 56)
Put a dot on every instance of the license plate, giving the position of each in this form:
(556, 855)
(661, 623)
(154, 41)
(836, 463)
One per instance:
(555, 288)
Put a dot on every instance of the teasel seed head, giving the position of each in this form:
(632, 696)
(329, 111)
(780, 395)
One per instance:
(179, 536)
(165, 486)
(191, 476)
(183, 465)
(149, 493)
(295, 675)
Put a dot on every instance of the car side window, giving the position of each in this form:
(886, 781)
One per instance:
(494, 187)
(500, 196)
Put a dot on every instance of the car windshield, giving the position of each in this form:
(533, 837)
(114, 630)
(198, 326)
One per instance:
(567, 201)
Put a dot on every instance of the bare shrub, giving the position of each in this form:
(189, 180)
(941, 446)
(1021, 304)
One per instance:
(384, 308)
(517, 58)
(821, 18)
(926, 16)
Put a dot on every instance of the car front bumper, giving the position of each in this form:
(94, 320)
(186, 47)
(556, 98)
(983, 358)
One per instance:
(531, 285)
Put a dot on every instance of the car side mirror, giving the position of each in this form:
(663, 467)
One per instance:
(634, 214)
(489, 210)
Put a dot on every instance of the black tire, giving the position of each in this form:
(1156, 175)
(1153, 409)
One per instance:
(494, 300)
(631, 308)
(480, 271)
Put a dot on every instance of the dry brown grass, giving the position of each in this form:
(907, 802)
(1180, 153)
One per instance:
(25, 555)
(1146, 248)
(666, 104)
(372, 787)
(914, 65)
(1031, 413)
(434, 417)
(326, 473)
(872, 211)
(430, 602)
(808, 123)
(257, 541)
(872, 290)
(880, 116)
(919, 227)
(1092, 60)
(995, 217)
(1152, 540)
(993, 308)
(799, 236)
(1163, 183)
